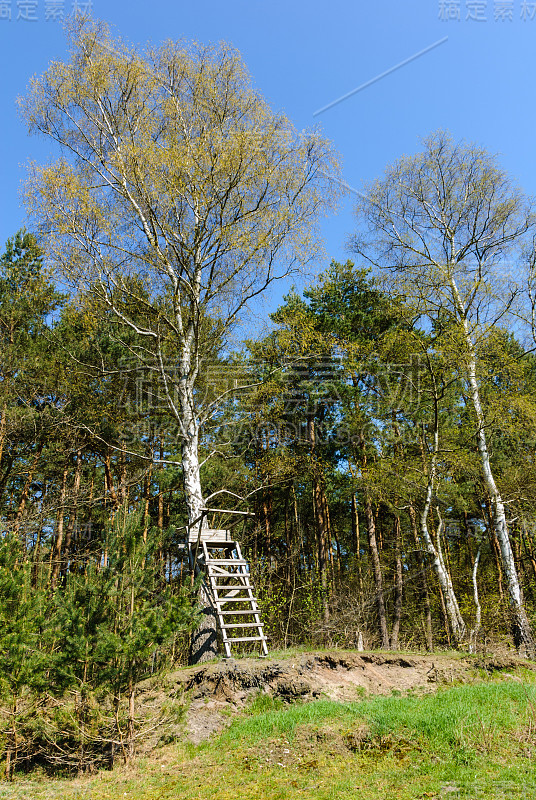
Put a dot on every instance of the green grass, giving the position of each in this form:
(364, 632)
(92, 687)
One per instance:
(474, 742)
(304, 649)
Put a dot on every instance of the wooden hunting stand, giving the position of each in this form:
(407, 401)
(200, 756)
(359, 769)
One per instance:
(227, 582)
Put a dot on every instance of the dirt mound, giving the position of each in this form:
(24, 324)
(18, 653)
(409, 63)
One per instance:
(215, 691)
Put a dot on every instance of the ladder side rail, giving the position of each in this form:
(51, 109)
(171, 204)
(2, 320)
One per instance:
(215, 594)
(255, 608)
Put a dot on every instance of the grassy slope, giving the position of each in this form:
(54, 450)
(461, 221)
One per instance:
(475, 741)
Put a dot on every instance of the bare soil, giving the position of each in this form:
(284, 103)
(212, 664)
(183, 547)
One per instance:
(215, 692)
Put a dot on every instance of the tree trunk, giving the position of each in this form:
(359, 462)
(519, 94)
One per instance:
(521, 629)
(267, 519)
(26, 489)
(3, 430)
(321, 545)
(356, 539)
(55, 555)
(452, 608)
(204, 642)
(73, 516)
(319, 516)
(160, 518)
(147, 499)
(455, 618)
(424, 582)
(123, 491)
(110, 483)
(378, 577)
(397, 612)
(487, 518)
(478, 611)
(131, 719)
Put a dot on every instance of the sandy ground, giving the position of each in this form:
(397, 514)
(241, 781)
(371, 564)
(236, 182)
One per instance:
(216, 691)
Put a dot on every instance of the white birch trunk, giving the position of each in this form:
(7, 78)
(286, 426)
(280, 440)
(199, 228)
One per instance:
(521, 627)
(457, 624)
(478, 611)
(190, 469)
(450, 597)
(204, 643)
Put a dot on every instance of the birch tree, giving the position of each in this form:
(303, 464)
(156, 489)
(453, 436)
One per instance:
(448, 226)
(178, 198)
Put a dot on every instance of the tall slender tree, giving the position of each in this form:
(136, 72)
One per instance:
(179, 197)
(448, 225)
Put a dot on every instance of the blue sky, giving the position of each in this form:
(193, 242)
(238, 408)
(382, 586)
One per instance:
(479, 83)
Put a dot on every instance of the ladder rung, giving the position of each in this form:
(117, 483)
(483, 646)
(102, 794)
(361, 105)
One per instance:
(241, 611)
(235, 599)
(220, 573)
(232, 562)
(247, 639)
(216, 575)
(242, 625)
(232, 586)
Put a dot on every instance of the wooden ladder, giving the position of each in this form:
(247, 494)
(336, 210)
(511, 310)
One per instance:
(229, 583)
